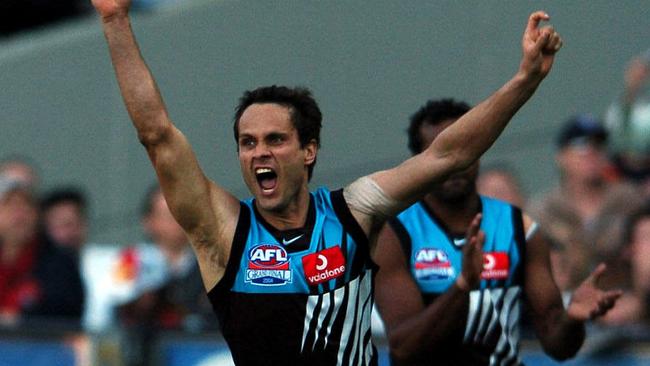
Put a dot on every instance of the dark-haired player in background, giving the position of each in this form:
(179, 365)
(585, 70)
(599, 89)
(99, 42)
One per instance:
(450, 294)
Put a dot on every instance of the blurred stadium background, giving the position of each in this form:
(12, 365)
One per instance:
(369, 64)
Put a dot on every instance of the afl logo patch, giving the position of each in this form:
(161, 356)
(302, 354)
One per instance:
(432, 264)
(268, 265)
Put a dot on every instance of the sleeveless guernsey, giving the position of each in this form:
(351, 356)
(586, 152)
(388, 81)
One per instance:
(302, 296)
(490, 335)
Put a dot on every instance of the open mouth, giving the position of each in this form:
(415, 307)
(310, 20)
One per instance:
(266, 178)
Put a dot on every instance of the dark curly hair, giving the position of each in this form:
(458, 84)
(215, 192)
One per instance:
(433, 112)
(305, 113)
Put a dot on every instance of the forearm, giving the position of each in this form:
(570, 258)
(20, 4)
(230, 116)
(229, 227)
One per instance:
(137, 85)
(430, 329)
(562, 336)
(469, 137)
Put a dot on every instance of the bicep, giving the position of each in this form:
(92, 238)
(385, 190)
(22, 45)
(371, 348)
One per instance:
(396, 293)
(206, 212)
(186, 188)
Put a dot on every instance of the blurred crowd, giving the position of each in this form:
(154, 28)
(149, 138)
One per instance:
(599, 211)
(51, 275)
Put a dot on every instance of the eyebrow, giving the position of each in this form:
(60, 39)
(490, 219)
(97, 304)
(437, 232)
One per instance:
(276, 134)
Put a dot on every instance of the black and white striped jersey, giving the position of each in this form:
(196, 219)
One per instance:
(298, 297)
(490, 335)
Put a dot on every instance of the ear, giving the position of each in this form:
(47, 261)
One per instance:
(311, 150)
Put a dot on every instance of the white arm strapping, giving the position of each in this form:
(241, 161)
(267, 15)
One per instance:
(366, 196)
(531, 230)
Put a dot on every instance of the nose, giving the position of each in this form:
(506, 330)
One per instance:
(261, 151)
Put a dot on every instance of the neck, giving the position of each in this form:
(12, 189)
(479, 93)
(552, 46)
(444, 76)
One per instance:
(457, 215)
(291, 216)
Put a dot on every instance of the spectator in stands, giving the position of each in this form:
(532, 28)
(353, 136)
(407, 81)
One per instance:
(628, 120)
(499, 181)
(21, 169)
(182, 294)
(36, 279)
(175, 298)
(64, 217)
(634, 306)
(154, 284)
(582, 217)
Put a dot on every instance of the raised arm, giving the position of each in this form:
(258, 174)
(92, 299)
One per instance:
(470, 136)
(206, 212)
(561, 332)
(415, 330)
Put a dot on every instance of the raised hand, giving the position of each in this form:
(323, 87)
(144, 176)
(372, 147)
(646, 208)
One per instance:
(472, 256)
(109, 8)
(539, 46)
(588, 301)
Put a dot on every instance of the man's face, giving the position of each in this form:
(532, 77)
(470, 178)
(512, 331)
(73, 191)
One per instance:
(273, 164)
(18, 217)
(65, 224)
(583, 161)
(457, 186)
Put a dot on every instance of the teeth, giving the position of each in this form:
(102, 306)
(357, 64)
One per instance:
(263, 170)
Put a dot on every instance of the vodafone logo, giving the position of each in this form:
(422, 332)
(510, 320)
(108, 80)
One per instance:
(489, 262)
(496, 266)
(324, 265)
(323, 262)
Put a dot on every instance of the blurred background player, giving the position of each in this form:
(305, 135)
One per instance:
(450, 294)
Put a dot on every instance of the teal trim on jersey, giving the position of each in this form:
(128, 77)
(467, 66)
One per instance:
(288, 275)
(435, 261)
